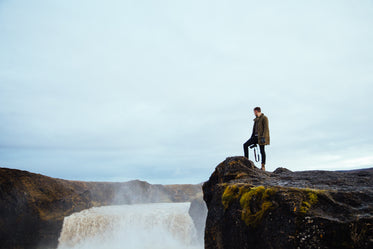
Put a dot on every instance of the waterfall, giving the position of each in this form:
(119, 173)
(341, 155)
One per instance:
(140, 226)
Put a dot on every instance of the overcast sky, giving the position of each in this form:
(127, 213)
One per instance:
(164, 90)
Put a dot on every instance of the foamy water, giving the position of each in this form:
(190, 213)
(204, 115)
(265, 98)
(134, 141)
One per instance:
(142, 226)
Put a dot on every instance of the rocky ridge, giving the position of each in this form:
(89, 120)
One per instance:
(249, 208)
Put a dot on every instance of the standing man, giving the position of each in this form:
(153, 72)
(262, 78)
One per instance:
(259, 136)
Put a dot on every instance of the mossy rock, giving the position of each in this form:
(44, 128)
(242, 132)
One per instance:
(247, 195)
(256, 202)
(261, 196)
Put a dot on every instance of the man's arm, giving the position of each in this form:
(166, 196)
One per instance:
(265, 126)
(265, 130)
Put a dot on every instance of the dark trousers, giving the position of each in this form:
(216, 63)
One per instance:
(254, 140)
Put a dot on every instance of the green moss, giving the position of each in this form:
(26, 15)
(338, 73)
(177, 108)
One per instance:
(256, 202)
(311, 198)
(248, 195)
(260, 195)
(269, 192)
(230, 193)
(253, 219)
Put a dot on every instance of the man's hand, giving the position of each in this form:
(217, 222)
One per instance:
(262, 140)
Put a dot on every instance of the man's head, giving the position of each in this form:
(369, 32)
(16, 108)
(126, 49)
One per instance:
(257, 111)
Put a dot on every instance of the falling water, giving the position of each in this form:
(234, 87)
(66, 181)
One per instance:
(142, 226)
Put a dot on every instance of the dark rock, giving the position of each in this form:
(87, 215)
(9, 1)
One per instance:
(33, 206)
(249, 208)
(282, 171)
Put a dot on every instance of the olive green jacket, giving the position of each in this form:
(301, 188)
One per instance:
(263, 129)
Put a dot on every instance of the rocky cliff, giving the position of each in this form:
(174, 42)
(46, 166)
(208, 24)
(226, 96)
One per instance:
(33, 206)
(249, 208)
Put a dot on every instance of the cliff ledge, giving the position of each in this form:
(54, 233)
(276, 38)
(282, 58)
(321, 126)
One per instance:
(249, 208)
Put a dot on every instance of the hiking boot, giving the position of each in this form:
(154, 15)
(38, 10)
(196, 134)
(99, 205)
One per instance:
(263, 167)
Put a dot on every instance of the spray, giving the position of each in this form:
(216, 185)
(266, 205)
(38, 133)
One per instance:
(139, 226)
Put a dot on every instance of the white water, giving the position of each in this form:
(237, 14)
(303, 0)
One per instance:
(142, 226)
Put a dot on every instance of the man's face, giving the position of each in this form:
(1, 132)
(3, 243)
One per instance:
(256, 113)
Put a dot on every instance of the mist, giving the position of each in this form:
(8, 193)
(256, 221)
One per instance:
(139, 226)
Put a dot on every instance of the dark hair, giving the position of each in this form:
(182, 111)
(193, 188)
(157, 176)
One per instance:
(257, 109)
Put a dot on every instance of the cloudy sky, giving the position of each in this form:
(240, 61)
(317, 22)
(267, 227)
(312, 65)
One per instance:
(163, 90)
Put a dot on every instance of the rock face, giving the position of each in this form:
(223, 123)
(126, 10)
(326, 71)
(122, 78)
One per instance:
(198, 213)
(249, 208)
(33, 206)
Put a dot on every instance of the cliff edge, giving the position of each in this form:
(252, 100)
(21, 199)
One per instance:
(249, 208)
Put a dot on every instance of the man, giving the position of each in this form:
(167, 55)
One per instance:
(259, 136)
